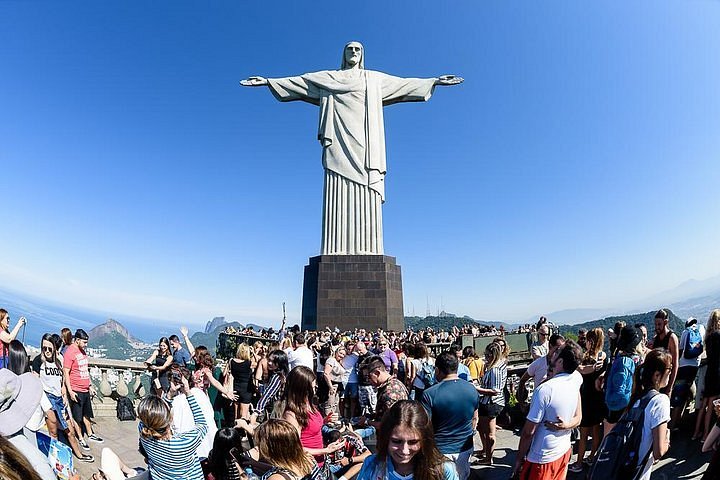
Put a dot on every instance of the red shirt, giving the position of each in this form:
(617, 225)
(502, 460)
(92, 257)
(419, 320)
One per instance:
(77, 362)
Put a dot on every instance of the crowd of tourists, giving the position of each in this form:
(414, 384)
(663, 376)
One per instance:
(374, 405)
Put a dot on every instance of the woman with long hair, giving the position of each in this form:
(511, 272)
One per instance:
(492, 398)
(711, 390)
(159, 363)
(406, 448)
(302, 413)
(13, 464)
(652, 376)
(593, 399)
(270, 404)
(67, 339)
(474, 363)
(171, 456)
(7, 335)
(422, 357)
(221, 463)
(279, 445)
(261, 375)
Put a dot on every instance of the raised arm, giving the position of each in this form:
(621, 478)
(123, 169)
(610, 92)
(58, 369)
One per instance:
(9, 337)
(190, 347)
(254, 82)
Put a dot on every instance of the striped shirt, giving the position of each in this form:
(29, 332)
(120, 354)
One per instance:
(177, 458)
(272, 392)
(495, 379)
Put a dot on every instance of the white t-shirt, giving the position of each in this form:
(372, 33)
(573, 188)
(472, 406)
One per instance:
(350, 364)
(656, 413)
(183, 420)
(538, 370)
(300, 356)
(687, 362)
(556, 397)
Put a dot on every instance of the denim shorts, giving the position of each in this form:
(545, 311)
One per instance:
(59, 406)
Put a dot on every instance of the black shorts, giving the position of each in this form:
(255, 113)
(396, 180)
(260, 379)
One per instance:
(81, 408)
(490, 410)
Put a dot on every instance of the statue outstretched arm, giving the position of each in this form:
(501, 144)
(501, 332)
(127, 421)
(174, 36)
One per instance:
(447, 80)
(254, 82)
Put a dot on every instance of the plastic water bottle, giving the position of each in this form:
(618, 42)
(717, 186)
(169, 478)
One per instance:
(250, 474)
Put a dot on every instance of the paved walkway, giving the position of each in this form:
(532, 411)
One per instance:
(684, 461)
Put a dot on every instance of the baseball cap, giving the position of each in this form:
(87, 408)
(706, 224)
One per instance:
(690, 322)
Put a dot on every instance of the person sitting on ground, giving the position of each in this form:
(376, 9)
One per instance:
(406, 449)
(278, 443)
(346, 462)
(19, 399)
(183, 418)
(221, 462)
(13, 464)
(170, 456)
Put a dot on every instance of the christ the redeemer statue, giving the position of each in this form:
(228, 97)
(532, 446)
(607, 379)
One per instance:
(352, 135)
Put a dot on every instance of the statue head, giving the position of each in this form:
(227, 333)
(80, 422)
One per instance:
(353, 54)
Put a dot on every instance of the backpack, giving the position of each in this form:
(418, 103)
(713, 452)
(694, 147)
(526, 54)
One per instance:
(125, 410)
(619, 383)
(618, 456)
(427, 374)
(693, 344)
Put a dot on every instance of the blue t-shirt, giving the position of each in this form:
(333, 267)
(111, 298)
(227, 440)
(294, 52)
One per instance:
(464, 372)
(368, 471)
(451, 404)
(181, 357)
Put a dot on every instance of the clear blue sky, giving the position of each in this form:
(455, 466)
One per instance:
(577, 166)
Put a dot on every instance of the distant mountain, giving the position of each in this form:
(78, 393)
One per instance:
(575, 315)
(214, 323)
(448, 320)
(111, 326)
(677, 324)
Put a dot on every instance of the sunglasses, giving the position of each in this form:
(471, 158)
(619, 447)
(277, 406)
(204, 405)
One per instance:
(48, 349)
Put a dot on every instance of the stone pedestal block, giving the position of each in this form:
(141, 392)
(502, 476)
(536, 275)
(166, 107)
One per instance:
(352, 291)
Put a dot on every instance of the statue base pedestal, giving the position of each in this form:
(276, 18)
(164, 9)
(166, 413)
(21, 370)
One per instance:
(352, 291)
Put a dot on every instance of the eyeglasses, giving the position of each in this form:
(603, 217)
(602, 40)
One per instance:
(48, 349)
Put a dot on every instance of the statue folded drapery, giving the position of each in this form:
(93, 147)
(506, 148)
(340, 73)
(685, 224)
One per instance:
(351, 132)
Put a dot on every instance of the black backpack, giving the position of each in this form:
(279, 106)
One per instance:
(618, 457)
(125, 410)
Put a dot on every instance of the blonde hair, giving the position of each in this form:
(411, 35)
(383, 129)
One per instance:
(713, 323)
(279, 443)
(243, 352)
(286, 343)
(156, 417)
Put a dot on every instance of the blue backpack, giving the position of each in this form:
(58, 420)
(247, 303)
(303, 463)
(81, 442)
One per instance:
(693, 344)
(427, 374)
(618, 385)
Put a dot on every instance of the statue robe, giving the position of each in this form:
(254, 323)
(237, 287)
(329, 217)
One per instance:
(352, 134)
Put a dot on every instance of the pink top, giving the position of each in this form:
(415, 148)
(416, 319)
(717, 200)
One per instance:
(311, 436)
(77, 362)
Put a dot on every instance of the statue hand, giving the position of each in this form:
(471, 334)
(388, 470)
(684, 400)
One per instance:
(254, 82)
(449, 80)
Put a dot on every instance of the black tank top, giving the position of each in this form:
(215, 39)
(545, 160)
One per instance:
(664, 343)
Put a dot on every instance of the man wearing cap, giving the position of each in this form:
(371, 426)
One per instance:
(77, 384)
(19, 398)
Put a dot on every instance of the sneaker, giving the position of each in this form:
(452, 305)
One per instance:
(86, 458)
(83, 444)
(95, 438)
(576, 467)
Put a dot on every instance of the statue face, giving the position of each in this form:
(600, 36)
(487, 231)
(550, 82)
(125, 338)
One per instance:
(353, 54)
